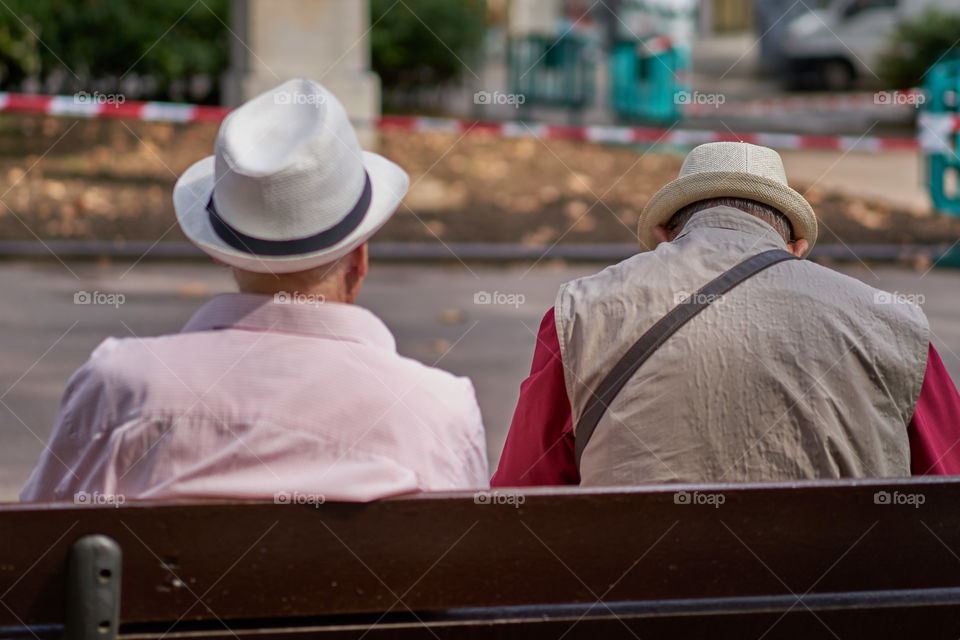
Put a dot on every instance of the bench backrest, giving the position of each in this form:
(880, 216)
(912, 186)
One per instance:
(856, 553)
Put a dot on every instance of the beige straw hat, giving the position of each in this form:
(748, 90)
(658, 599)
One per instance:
(729, 170)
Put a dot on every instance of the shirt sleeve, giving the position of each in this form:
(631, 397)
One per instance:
(934, 430)
(540, 446)
(68, 459)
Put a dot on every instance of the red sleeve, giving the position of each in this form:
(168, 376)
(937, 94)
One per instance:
(935, 428)
(540, 446)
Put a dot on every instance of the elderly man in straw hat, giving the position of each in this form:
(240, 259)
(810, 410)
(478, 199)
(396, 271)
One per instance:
(720, 354)
(286, 389)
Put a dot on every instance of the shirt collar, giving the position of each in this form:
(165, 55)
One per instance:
(254, 312)
(723, 217)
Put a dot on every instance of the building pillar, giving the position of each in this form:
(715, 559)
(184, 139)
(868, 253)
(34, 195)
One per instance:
(323, 40)
(535, 16)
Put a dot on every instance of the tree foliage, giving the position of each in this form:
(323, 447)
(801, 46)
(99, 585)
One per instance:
(918, 44)
(95, 43)
(423, 43)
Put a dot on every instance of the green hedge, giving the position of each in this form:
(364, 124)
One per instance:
(95, 43)
(425, 43)
(918, 44)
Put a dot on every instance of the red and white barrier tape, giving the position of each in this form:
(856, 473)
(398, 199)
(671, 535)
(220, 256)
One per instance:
(171, 112)
(100, 106)
(907, 99)
(656, 45)
(937, 132)
(646, 135)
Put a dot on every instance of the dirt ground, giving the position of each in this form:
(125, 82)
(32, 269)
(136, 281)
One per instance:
(111, 180)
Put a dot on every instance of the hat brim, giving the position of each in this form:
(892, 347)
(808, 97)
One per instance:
(193, 190)
(726, 184)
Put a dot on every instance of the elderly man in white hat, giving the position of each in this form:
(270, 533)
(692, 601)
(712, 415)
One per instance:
(286, 389)
(719, 354)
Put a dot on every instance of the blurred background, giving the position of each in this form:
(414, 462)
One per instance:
(534, 132)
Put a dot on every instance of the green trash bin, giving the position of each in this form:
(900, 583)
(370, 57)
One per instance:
(942, 106)
(646, 80)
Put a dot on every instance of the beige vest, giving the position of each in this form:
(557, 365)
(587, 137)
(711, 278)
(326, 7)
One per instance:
(799, 372)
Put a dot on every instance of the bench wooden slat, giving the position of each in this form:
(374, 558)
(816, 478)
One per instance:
(929, 623)
(435, 553)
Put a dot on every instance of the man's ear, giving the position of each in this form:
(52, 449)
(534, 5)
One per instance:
(798, 247)
(357, 266)
(360, 258)
(663, 235)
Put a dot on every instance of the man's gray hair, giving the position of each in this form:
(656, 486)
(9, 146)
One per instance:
(765, 212)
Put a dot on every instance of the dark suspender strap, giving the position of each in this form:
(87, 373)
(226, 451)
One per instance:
(656, 335)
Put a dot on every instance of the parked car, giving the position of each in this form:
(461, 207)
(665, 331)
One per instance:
(834, 47)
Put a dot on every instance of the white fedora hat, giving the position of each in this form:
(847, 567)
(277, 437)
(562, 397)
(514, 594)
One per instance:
(288, 187)
(729, 170)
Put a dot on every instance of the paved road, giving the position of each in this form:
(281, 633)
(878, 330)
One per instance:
(893, 177)
(45, 336)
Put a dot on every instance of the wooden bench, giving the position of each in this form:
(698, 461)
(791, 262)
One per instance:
(834, 560)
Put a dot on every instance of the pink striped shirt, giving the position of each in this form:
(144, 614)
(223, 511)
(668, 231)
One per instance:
(258, 399)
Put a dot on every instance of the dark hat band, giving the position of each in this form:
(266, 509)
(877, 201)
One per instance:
(323, 240)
